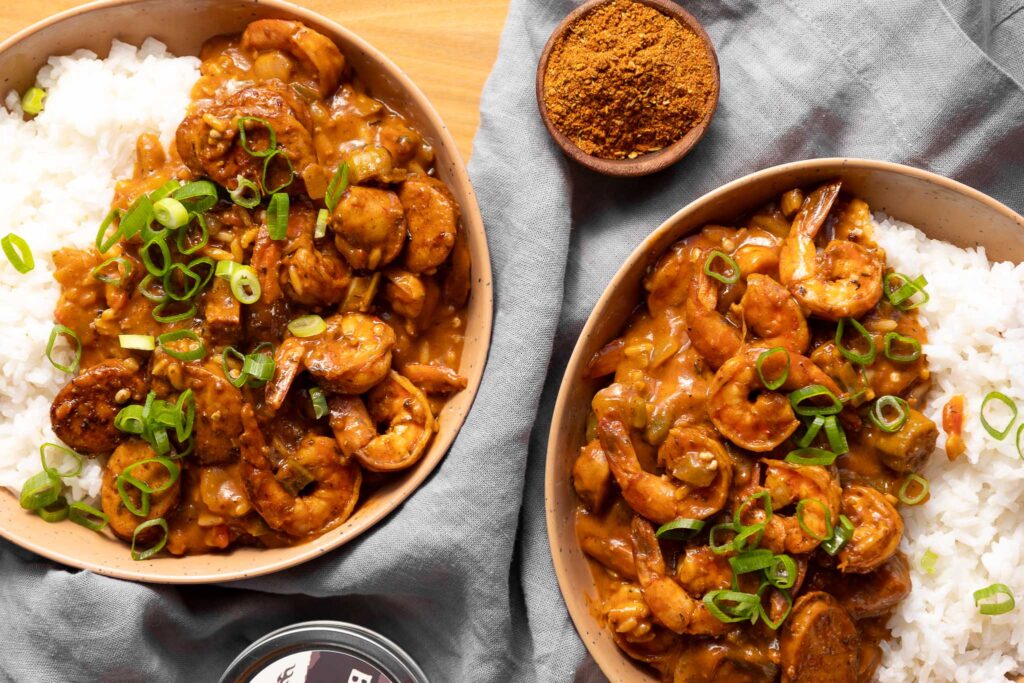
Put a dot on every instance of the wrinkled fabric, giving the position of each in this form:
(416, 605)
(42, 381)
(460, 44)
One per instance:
(461, 574)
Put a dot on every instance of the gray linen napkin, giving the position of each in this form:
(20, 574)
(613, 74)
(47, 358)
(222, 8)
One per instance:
(461, 575)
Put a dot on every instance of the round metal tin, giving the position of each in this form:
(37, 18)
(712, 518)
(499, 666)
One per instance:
(322, 652)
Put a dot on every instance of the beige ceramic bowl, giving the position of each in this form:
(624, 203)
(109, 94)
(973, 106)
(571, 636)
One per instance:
(942, 208)
(184, 25)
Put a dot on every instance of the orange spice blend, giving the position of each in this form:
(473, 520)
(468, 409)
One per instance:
(625, 80)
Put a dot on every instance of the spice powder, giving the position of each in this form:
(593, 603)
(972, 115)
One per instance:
(625, 80)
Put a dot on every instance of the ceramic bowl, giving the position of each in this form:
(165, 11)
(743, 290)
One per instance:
(644, 164)
(942, 208)
(184, 25)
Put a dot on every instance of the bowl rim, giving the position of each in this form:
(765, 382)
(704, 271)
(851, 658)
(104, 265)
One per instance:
(651, 162)
(481, 286)
(582, 618)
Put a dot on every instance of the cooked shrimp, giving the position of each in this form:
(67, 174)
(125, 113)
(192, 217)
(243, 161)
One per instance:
(397, 402)
(844, 281)
(878, 528)
(434, 379)
(432, 215)
(714, 337)
(592, 477)
(607, 540)
(350, 356)
(313, 49)
(369, 227)
(758, 252)
(311, 274)
(698, 479)
(773, 315)
(668, 282)
(788, 485)
(405, 292)
(329, 502)
(353, 428)
(83, 412)
(699, 570)
(670, 604)
(628, 614)
(122, 520)
(748, 414)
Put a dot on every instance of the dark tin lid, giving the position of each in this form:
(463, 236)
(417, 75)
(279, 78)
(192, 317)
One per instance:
(323, 652)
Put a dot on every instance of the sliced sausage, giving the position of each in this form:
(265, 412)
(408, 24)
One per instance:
(83, 412)
(122, 520)
(819, 642)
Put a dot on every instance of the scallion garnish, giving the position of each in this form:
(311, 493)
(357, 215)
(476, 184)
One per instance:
(123, 271)
(142, 508)
(837, 442)
(900, 291)
(321, 223)
(811, 456)
(803, 525)
(87, 516)
(104, 241)
(196, 351)
(319, 401)
(894, 422)
(173, 473)
(32, 101)
(797, 398)
(137, 218)
(904, 493)
(1020, 441)
(782, 572)
(56, 511)
(766, 503)
(146, 252)
(751, 561)
(266, 169)
(732, 606)
(170, 213)
(187, 410)
(774, 625)
(40, 490)
(67, 332)
(198, 196)
(782, 377)
(998, 606)
(277, 216)
(18, 253)
(733, 275)
(231, 352)
(812, 431)
(928, 560)
(721, 548)
(139, 555)
(337, 186)
(893, 338)
(861, 358)
(243, 123)
(258, 368)
(245, 286)
(188, 244)
(189, 282)
(161, 315)
(146, 291)
(246, 193)
(841, 535)
(307, 326)
(60, 474)
(679, 529)
(998, 434)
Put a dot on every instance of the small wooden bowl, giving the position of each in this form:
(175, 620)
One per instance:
(184, 25)
(942, 208)
(651, 162)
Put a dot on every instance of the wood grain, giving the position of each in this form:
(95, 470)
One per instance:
(446, 46)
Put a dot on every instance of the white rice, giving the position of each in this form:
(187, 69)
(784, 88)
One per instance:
(56, 184)
(974, 520)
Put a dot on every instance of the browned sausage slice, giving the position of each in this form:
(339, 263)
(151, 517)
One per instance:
(872, 594)
(83, 411)
(819, 642)
(122, 520)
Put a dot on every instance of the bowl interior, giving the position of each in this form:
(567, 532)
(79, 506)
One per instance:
(184, 25)
(942, 208)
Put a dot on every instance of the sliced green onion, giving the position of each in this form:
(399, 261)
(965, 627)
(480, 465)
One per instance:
(74, 472)
(765, 497)
(161, 316)
(277, 216)
(173, 473)
(997, 607)
(56, 511)
(190, 283)
(783, 376)
(321, 223)
(187, 409)
(894, 424)
(18, 253)
(145, 291)
(743, 607)
(837, 442)
(316, 396)
(199, 196)
(139, 555)
(104, 241)
(721, 548)
(812, 431)
(159, 440)
(774, 625)
(244, 140)
(196, 352)
(751, 561)
(258, 366)
(896, 338)
(797, 398)
(1020, 441)
(140, 510)
(266, 169)
(782, 572)
(129, 420)
(734, 270)
(752, 533)
(904, 495)
(32, 100)
(679, 529)
(928, 560)
(337, 186)
(170, 213)
(245, 286)
(866, 358)
(183, 236)
(246, 193)
(87, 516)
(841, 535)
(165, 257)
(138, 218)
(900, 295)
(68, 332)
(998, 434)
(307, 326)
(226, 268)
(202, 262)
(803, 525)
(40, 490)
(236, 380)
(124, 270)
(811, 456)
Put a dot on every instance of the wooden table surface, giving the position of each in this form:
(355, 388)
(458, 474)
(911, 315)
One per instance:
(446, 46)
